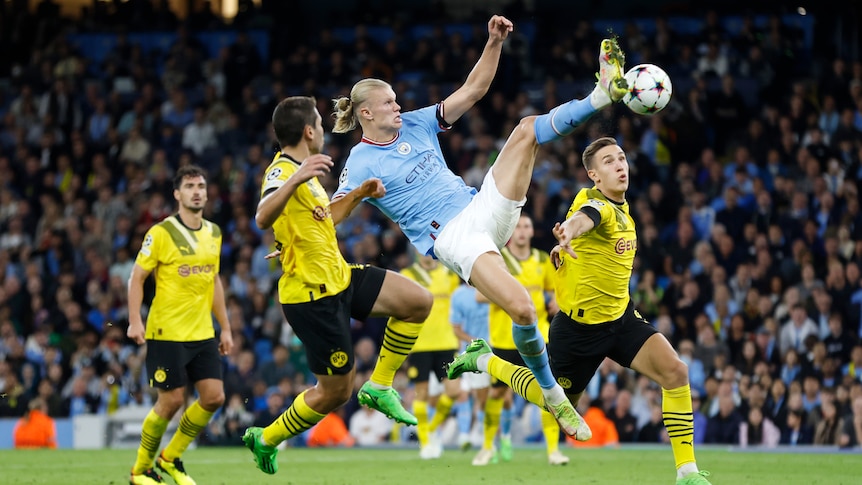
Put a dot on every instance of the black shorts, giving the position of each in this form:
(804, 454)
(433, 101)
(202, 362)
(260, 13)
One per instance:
(422, 364)
(576, 349)
(323, 325)
(509, 355)
(174, 364)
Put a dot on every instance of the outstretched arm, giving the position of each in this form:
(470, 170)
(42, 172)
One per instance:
(571, 228)
(342, 206)
(479, 79)
(273, 202)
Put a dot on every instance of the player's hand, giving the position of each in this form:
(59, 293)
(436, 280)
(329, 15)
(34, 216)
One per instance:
(499, 28)
(136, 332)
(374, 188)
(564, 237)
(314, 166)
(226, 344)
(273, 254)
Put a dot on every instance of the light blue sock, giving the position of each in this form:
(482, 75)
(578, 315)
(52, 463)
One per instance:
(506, 422)
(562, 120)
(531, 346)
(480, 417)
(464, 416)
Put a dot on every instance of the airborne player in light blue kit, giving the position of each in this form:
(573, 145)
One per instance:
(441, 215)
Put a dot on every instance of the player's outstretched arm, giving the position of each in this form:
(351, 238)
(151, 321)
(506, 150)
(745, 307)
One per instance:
(479, 79)
(343, 205)
(272, 203)
(570, 229)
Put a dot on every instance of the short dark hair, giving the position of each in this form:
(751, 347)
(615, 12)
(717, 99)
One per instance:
(291, 116)
(188, 171)
(594, 147)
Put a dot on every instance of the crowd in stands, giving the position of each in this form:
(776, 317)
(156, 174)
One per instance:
(745, 191)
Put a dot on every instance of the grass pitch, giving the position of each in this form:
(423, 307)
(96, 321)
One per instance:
(234, 466)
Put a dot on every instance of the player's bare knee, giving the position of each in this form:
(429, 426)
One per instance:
(421, 307)
(526, 128)
(212, 401)
(171, 401)
(523, 312)
(675, 375)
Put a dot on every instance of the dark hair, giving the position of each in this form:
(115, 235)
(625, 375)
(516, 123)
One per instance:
(188, 171)
(290, 118)
(593, 147)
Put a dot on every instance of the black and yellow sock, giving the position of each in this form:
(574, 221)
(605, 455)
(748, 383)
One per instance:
(551, 431)
(298, 418)
(441, 412)
(192, 422)
(519, 378)
(151, 436)
(493, 410)
(398, 340)
(420, 410)
(679, 421)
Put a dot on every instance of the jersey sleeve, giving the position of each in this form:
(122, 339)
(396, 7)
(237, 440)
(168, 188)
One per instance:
(595, 209)
(151, 248)
(357, 169)
(431, 118)
(275, 176)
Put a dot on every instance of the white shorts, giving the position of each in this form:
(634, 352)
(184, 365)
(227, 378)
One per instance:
(484, 226)
(435, 387)
(471, 381)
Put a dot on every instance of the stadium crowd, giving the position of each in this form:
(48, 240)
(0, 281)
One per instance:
(744, 190)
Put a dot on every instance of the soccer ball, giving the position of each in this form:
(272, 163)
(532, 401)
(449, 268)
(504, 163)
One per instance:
(649, 89)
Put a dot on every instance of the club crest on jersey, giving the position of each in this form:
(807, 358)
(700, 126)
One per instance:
(404, 148)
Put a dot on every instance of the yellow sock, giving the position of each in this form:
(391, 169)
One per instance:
(520, 379)
(420, 410)
(398, 340)
(493, 410)
(679, 421)
(192, 422)
(298, 418)
(441, 411)
(551, 430)
(151, 436)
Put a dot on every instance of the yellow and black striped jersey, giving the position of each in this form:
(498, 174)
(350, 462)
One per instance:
(185, 264)
(311, 261)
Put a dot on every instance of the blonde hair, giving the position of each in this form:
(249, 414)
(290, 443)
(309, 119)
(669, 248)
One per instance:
(343, 107)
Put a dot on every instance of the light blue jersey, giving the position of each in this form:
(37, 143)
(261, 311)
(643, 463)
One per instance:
(464, 310)
(422, 194)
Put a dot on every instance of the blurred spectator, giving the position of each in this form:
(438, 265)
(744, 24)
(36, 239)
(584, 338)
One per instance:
(278, 368)
(828, 430)
(625, 423)
(758, 430)
(369, 427)
(796, 432)
(36, 429)
(851, 433)
(331, 432)
(798, 327)
(725, 425)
